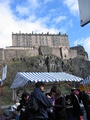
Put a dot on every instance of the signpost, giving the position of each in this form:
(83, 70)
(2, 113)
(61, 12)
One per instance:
(84, 8)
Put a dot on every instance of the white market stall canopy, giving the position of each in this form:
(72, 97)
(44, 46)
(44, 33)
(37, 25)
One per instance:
(23, 78)
(86, 81)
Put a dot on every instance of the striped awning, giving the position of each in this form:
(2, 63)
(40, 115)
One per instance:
(23, 78)
(86, 81)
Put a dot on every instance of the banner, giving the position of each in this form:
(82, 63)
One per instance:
(4, 73)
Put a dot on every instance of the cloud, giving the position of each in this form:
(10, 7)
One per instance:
(6, 23)
(9, 22)
(72, 6)
(34, 3)
(22, 10)
(25, 8)
(59, 19)
(85, 42)
(70, 22)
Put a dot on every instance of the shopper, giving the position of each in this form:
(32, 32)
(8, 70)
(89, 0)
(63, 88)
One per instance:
(44, 102)
(58, 104)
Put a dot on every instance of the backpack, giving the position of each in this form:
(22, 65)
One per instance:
(32, 105)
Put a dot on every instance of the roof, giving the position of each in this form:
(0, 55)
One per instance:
(86, 81)
(23, 78)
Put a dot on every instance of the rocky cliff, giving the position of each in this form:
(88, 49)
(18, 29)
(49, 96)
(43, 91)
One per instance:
(78, 66)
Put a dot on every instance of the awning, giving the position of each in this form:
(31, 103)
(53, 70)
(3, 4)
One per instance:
(86, 81)
(23, 78)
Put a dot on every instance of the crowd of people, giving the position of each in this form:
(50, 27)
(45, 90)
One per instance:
(54, 105)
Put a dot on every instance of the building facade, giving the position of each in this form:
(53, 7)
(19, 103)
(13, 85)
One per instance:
(28, 45)
(37, 40)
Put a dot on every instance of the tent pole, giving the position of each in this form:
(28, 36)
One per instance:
(14, 95)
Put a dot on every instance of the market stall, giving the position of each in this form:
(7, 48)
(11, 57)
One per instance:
(30, 78)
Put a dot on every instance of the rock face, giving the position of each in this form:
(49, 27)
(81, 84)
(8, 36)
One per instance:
(81, 53)
(76, 66)
(79, 66)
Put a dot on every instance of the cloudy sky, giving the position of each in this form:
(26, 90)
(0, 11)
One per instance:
(39, 16)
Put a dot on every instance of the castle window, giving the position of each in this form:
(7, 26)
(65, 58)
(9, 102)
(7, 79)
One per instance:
(53, 41)
(46, 41)
(42, 40)
(36, 39)
(16, 37)
(18, 43)
(23, 40)
(18, 40)
(65, 55)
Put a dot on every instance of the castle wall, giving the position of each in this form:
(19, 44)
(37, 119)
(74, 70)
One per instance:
(64, 52)
(72, 53)
(50, 51)
(67, 53)
(45, 50)
(2, 54)
(9, 54)
(56, 52)
(32, 52)
(81, 53)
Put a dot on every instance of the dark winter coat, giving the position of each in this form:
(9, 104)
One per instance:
(77, 112)
(21, 108)
(85, 98)
(60, 112)
(44, 103)
(86, 101)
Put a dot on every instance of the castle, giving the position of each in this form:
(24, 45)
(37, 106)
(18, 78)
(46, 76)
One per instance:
(32, 44)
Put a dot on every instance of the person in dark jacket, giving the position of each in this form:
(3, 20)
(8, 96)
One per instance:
(43, 101)
(86, 102)
(21, 107)
(58, 104)
(75, 100)
(50, 110)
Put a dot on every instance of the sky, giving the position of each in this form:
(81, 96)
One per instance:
(39, 16)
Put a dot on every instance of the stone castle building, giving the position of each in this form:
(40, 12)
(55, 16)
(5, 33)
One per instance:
(27, 45)
(37, 40)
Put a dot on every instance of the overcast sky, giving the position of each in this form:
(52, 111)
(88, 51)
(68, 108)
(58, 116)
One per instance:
(39, 16)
